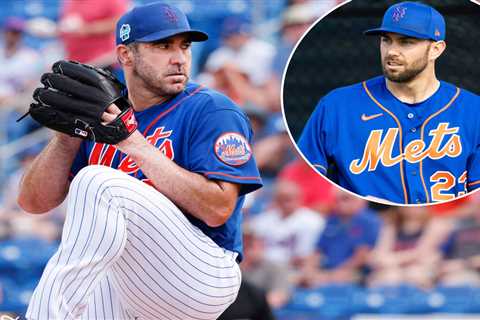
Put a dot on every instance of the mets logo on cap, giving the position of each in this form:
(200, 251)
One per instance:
(399, 13)
(233, 149)
(170, 14)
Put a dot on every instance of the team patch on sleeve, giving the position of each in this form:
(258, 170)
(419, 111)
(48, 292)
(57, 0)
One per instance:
(233, 149)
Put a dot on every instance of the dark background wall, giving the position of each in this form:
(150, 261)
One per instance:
(336, 53)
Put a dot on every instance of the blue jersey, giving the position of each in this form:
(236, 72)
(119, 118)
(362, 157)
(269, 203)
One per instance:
(371, 143)
(202, 131)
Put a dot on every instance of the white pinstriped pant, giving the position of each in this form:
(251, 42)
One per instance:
(127, 252)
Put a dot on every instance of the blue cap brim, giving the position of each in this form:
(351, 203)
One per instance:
(379, 31)
(195, 35)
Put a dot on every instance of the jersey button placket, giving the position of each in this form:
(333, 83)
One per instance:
(420, 198)
(414, 121)
(412, 169)
(414, 182)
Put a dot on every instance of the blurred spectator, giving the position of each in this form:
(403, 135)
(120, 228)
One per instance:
(87, 29)
(409, 249)
(19, 65)
(461, 264)
(297, 18)
(49, 46)
(269, 276)
(258, 120)
(274, 149)
(19, 70)
(14, 222)
(343, 248)
(251, 304)
(256, 201)
(318, 192)
(242, 65)
(289, 230)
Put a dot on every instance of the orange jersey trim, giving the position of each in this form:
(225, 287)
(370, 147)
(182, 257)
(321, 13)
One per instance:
(422, 130)
(231, 176)
(473, 183)
(405, 195)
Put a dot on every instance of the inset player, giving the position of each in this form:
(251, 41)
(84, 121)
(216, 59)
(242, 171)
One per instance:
(405, 137)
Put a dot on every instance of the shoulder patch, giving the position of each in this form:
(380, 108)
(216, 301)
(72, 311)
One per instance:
(233, 149)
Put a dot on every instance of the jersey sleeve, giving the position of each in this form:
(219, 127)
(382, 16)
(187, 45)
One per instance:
(79, 162)
(220, 149)
(473, 171)
(312, 142)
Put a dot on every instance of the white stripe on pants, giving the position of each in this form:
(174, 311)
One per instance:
(158, 265)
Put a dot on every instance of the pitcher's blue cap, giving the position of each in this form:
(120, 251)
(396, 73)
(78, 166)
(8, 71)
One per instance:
(412, 19)
(154, 21)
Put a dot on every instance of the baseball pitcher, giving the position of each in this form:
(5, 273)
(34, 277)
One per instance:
(154, 174)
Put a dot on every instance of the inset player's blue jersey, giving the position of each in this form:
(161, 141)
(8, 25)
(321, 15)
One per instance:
(202, 131)
(371, 143)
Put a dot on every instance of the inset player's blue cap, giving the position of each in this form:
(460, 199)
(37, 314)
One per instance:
(154, 21)
(412, 19)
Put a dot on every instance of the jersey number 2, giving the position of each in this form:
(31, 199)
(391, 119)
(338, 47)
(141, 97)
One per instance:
(444, 181)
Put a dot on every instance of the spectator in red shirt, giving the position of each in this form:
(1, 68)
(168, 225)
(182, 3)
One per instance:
(87, 29)
(318, 193)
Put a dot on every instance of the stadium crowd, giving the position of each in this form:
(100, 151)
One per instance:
(300, 231)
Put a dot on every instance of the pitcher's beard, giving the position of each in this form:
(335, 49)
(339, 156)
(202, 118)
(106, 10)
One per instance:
(408, 74)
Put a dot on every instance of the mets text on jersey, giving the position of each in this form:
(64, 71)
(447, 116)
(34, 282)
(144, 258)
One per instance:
(378, 150)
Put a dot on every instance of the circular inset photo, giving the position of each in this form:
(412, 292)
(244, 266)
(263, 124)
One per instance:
(381, 98)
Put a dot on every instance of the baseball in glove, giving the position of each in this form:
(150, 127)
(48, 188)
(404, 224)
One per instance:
(75, 96)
